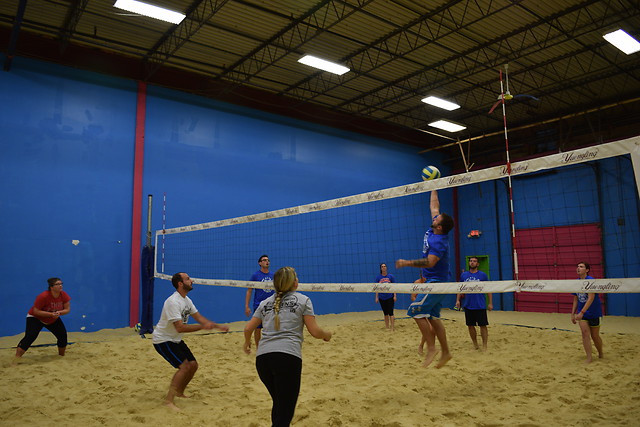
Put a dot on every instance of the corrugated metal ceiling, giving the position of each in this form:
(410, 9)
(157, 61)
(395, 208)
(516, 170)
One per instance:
(398, 50)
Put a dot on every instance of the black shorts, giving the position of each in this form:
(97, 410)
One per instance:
(593, 322)
(175, 353)
(387, 306)
(476, 317)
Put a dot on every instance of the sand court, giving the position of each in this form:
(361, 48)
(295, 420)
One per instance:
(532, 374)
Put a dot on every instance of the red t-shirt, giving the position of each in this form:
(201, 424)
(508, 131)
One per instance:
(46, 302)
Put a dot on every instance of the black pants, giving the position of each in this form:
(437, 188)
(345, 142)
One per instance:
(34, 326)
(280, 373)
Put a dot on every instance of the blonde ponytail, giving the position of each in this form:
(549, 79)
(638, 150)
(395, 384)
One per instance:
(284, 280)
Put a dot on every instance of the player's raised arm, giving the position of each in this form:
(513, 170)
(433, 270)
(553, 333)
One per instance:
(434, 204)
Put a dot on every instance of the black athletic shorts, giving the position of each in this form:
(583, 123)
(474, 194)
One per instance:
(593, 322)
(476, 317)
(174, 353)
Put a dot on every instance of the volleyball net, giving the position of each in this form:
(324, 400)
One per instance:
(577, 206)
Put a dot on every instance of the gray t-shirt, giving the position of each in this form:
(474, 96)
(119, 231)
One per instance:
(288, 339)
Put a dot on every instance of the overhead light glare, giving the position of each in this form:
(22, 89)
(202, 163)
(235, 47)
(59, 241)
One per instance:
(623, 41)
(150, 11)
(448, 126)
(441, 103)
(322, 64)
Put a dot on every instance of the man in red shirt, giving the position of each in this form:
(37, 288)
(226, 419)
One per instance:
(46, 312)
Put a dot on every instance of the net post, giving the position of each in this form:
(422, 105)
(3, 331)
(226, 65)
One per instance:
(149, 205)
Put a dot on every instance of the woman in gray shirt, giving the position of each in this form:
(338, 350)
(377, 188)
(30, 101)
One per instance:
(279, 352)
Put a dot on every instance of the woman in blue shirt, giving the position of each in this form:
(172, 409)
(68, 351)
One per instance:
(587, 310)
(387, 299)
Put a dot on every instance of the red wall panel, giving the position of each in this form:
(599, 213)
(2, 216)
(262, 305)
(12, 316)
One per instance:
(551, 253)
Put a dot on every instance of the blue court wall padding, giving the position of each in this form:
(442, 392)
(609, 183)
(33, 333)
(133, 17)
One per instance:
(65, 192)
(216, 161)
(66, 170)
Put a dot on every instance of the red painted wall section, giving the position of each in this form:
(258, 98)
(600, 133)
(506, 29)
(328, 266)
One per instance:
(136, 214)
(552, 253)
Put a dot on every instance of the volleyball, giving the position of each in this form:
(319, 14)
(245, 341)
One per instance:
(137, 327)
(430, 172)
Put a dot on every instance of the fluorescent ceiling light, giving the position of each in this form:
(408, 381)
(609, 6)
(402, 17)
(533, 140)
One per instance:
(438, 102)
(448, 126)
(322, 64)
(623, 41)
(150, 10)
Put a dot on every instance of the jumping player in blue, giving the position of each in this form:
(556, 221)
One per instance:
(262, 275)
(475, 306)
(586, 309)
(425, 309)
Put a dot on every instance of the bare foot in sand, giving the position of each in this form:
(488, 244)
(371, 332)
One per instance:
(443, 360)
(431, 354)
(184, 396)
(171, 406)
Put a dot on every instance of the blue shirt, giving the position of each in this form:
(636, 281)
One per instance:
(595, 309)
(438, 245)
(260, 295)
(474, 301)
(385, 279)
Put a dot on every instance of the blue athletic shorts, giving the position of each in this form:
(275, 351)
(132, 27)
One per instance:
(427, 304)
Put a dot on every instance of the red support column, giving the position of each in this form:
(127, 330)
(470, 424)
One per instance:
(136, 214)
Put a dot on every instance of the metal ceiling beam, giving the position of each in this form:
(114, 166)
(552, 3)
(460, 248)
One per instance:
(603, 57)
(412, 118)
(466, 61)
(198, 14)
(76, 8)
(15, 32)
(384, 53)
(559, 88)
(291, 38)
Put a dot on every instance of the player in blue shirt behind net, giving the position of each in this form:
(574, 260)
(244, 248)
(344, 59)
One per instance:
(259, 295)
(475, 305)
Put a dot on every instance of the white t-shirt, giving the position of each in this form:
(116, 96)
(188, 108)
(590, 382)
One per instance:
(175, 308)
(288, 339)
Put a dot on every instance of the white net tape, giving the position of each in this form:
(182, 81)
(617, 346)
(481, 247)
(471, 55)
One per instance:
(578, 286)
(604, 151)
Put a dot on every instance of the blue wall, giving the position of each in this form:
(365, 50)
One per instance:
(66, 173)
(217, 161)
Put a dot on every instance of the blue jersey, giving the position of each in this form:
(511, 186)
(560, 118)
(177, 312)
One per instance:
(474, 301)
(261, 294)
(438, 245)
(385, 279)
(595, 309)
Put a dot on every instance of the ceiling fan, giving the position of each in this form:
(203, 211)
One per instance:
(507, 94)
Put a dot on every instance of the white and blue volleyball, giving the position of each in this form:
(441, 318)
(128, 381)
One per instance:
(430, 172)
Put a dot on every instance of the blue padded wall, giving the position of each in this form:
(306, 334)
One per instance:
(66, 155)
(66, 174)
(217, 161)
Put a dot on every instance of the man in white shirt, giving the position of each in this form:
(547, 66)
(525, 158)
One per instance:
(167, 335)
